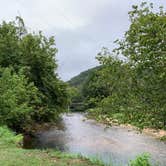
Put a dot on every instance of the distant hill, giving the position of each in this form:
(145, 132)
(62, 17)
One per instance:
(79, 80)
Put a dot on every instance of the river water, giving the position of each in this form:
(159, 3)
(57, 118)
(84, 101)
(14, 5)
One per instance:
(76, 134)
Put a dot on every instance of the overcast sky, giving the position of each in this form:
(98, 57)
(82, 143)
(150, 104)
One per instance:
(81, 27)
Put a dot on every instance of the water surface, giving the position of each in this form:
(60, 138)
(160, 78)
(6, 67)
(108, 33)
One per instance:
(76, 134)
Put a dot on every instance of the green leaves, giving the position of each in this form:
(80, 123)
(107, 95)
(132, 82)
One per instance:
(17, 100)
(144, 45)
(30, 89)
(141, 160)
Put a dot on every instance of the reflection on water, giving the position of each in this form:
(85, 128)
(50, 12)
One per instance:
(78, 135)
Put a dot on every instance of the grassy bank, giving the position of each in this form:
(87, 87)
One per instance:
(22, 157)
(13, 155)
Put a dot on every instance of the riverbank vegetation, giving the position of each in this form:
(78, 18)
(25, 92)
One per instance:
(132, 89)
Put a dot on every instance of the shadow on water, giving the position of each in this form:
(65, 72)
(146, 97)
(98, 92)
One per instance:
(76, 134)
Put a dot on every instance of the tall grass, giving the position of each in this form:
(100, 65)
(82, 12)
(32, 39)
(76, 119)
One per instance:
(8, 138)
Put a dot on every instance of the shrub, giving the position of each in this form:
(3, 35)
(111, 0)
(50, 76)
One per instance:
(141, 160)
(18, 99)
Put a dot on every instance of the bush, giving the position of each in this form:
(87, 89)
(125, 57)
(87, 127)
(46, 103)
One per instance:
(141, 160)
(18, 99)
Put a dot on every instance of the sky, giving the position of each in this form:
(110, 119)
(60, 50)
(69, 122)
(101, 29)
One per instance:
(81, 27)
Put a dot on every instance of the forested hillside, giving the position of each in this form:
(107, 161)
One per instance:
(80, 79)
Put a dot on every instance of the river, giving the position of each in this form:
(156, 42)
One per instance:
(76, 134)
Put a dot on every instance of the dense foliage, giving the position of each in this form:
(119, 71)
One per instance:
(18, 100)
(30, 90)
(133, 90)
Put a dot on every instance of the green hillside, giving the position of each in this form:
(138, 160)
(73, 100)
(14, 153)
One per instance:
(81, 78)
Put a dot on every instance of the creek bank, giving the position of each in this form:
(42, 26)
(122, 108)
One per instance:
(156, 133)
(29, 135)
(38, 127)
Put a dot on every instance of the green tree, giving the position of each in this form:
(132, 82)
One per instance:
(144, 45)
(35, 56)
(133, 89)
(18, 99)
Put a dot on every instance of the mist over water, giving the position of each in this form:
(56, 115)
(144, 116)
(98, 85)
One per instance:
(118, 145)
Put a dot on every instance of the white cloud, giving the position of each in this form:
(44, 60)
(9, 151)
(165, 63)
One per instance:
(42, 14)
(81, 27)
